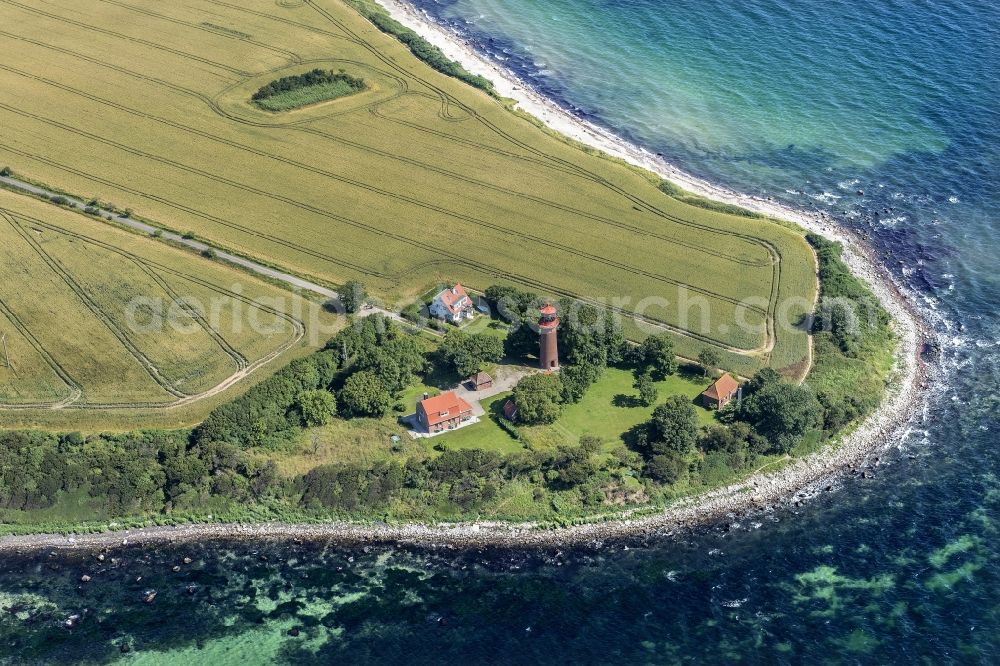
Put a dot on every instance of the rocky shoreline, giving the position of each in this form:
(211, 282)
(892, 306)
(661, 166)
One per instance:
(854, 453)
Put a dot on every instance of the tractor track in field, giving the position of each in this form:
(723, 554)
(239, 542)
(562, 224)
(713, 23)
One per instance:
(244, 369)
(543, 159)
(540, 240)
(96, 310)
(302, 125)
(75, 391)
(291, 55)
(123, 37)
(458, 260)
(300, 283)
(239, 360)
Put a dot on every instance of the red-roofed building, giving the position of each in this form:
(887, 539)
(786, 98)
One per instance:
(480, 381)
(443, 412)
(721, 393)
(453, 305)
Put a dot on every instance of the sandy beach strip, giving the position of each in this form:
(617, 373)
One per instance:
(854, 453)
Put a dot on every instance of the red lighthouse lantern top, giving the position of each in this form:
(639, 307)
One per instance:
(548, 318)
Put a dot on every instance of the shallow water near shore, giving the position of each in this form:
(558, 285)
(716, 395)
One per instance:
(807, 102)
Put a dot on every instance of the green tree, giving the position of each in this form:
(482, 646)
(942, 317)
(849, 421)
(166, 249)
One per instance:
(589, 335)
(468, 353)
(538, 398)
(658, 355)
(352, 296)
(782, 413)
(666, 467)
(709, 359)
(673, 427)
(576, 379)
(365, 394)
(648, 394)
(761, 378)
(316, 406)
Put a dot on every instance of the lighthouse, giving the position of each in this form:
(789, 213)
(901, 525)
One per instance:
(548, 349)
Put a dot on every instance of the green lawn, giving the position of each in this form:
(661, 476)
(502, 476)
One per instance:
(608, 409)
(485, 435)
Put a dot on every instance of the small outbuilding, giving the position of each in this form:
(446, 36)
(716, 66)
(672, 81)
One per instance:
(720, 393)
(480, 381)
(510, 411)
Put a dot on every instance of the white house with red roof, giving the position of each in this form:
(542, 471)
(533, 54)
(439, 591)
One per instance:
(453, 305)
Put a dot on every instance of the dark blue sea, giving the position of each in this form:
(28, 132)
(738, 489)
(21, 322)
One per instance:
(807, 101)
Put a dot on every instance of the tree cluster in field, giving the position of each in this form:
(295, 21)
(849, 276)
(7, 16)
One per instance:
(419, 46)
(313, 77)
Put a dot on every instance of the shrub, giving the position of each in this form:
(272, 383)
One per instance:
(6, 172)
(209, 253)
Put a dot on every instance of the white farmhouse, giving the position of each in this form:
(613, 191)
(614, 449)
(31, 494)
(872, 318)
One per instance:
(453, 305)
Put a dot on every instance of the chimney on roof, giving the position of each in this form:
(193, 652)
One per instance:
(426, 395)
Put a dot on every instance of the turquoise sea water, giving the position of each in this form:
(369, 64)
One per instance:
(809, 102)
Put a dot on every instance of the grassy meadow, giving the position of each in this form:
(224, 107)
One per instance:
(104, 326)
(416, 180)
